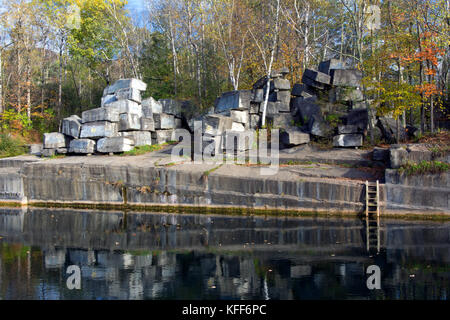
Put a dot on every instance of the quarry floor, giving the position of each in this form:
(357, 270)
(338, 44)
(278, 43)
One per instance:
(350, 165)
(306, 181)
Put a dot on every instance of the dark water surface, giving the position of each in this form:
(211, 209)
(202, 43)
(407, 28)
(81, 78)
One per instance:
(168, 256)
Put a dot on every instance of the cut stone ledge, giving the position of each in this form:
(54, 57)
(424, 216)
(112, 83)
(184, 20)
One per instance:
(54, 140)
(99, 129)
(71, 126)
(129, 122)
(140, 138)
(82, 146)
(348, 140)
(115, 145)
(100, 114)
(125, 83)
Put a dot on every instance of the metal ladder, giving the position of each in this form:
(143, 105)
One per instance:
(372, 208)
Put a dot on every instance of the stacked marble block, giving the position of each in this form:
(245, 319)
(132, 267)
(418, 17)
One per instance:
(117, 126)
(237, 112)
(339, 87)
(167, 118)
(278, 110)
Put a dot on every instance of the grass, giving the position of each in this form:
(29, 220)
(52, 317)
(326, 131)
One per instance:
(322, 144)
(57, 156)
(297, 163)
(11, 146)
(333, 119)
(137, 151)
(424, 167)
(440, 150)
(208, 172)
(171, 164)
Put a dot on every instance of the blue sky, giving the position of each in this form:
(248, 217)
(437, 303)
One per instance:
(136, 5)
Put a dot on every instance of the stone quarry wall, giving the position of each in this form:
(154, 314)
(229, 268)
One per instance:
(402, 154)
(11, 186)
(417, 194)
(46, 182)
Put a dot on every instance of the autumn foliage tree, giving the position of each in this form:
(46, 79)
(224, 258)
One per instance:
(56, 56)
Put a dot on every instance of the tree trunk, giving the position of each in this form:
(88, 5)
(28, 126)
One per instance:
(204, 66)
(430, 80)
(397, 133)
(306, 39)
(90, 88)
(1, 83)
(58, 112)
(174, 56)
(19, 89)
(269, 70)
(422, 109)
(198, 74)
(341, 53)
(431, 114)
(28, 81)
(43, 79)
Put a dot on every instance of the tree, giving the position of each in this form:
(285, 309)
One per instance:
(96, 41)
(428, 55)
(265, 37)
(62, 18)
(156, 67)
(230, 29)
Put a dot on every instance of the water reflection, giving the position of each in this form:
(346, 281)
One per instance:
(167, 256)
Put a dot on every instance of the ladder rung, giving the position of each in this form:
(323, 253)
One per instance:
(372, 198)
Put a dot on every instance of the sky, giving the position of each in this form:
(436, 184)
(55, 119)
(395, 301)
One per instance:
(136, 5)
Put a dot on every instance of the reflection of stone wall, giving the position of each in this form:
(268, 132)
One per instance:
(147, 232)
(108, 230)
(418, 242)
(11, 220)
(197, 256)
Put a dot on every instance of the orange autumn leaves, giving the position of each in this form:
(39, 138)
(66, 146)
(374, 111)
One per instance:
(428, 55)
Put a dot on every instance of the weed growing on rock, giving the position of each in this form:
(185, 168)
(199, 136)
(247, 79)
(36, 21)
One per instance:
(424, 167)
